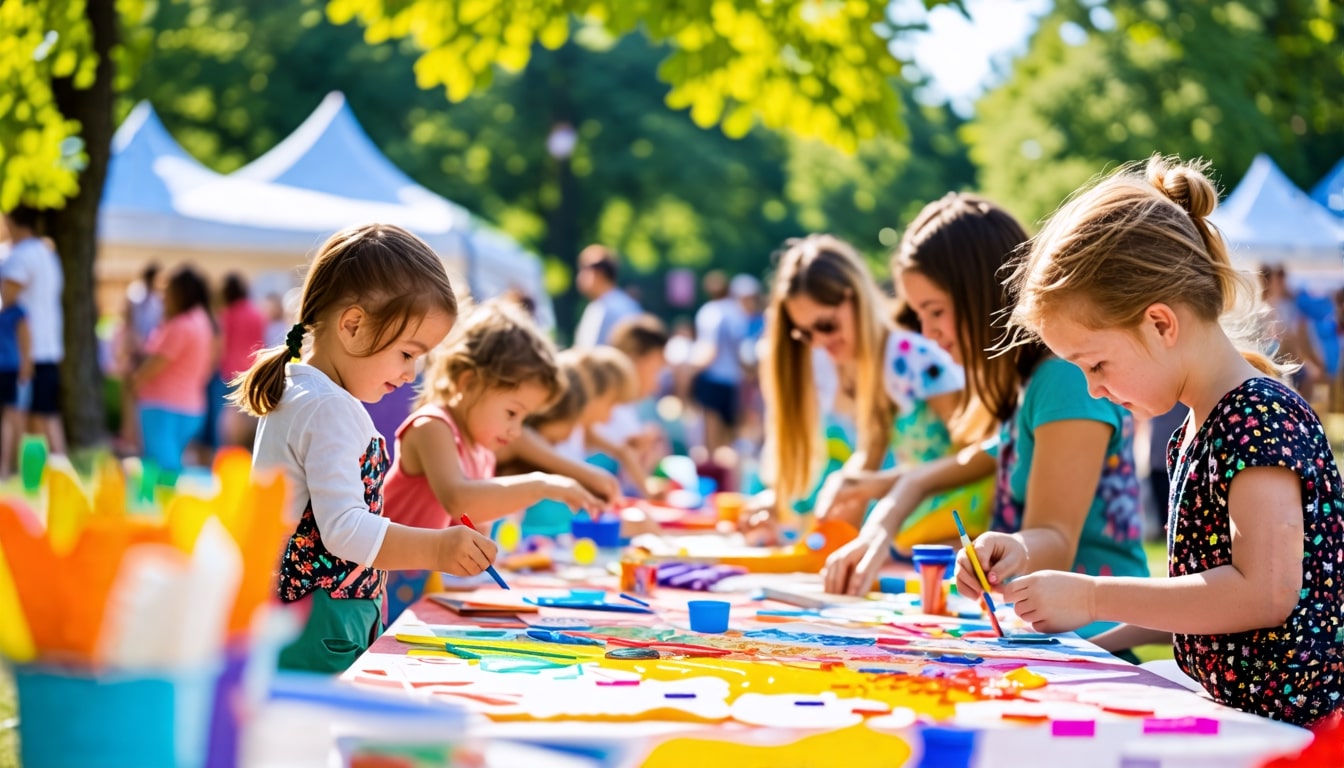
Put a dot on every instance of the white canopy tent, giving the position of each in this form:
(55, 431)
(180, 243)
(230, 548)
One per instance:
(330, 153)
(1268, 220)
(1329, 191)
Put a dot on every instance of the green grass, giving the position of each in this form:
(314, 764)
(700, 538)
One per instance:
(1157, 568)
(9, 747)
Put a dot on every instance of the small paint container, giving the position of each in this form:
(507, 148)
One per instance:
(638, 577)
(729, 506)
(605, 531)
(932, 561)
(709, 616)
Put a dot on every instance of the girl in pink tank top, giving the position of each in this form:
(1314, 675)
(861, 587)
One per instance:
(493, 371)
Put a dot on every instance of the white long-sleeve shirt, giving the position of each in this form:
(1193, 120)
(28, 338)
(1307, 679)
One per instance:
(320, 437)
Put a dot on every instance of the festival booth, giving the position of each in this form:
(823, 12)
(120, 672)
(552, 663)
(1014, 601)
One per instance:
(1268, 220)
(1329, 191)
(266, 220)
(330, 153)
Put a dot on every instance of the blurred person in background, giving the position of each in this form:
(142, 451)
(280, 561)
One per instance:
(141, 315)
(171, 383)
(1287, 327)
(720, 328)
(607, 304)
(242, 330)
(33, 278)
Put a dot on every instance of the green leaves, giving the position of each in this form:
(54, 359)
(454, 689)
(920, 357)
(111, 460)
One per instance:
(818, 68)
(41, 152)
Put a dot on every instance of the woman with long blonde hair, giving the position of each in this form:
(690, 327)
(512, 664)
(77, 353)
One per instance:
(906, 391)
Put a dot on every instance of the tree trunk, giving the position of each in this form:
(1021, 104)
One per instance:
(74, 229)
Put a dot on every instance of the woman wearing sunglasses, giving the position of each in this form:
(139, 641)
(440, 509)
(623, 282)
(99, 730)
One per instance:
(905, 390)
(1067, 495)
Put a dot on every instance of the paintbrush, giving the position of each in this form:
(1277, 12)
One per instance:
(979, 572)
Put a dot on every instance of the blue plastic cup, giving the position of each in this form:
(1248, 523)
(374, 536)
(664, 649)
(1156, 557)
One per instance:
(709, 616)
(74, 719)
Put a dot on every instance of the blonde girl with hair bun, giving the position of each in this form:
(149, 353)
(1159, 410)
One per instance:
(1130, 282)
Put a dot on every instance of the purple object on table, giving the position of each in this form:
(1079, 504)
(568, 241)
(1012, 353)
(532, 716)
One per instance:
(695, 576)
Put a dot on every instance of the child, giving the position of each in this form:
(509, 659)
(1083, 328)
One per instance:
(535, 449)
(16, 369)
(626, 437)
(1066, 489)
(479, 387)
(375, 301)
(905, 389)
(1130, 282)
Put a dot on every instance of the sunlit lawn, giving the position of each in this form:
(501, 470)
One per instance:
(9, 757)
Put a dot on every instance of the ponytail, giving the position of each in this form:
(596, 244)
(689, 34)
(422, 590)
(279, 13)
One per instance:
(257, 391)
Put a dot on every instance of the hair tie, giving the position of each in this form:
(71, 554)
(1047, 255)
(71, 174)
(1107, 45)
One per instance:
(294, 340)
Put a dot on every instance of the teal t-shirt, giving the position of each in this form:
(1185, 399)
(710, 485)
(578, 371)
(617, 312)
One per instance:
(1111, 543)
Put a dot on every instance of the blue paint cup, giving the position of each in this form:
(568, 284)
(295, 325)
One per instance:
(709, 616)
(604, 531)
(136, 720)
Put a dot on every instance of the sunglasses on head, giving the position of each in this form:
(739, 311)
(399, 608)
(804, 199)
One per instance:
(824, 327)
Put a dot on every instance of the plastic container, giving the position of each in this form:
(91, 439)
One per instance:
(709, 616)
(729, 506)
(77, 719)
(605, 531)
(933, 561)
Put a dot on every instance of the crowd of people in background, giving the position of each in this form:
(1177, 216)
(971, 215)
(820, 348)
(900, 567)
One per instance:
(694, 388)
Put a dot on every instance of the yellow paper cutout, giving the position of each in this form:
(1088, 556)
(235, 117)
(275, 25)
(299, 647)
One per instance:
(68, 507)
(860, 746)
(16, 643)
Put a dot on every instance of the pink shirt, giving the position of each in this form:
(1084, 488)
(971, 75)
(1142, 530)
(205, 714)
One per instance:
(186, 342)
(244, 331)
(408, 499)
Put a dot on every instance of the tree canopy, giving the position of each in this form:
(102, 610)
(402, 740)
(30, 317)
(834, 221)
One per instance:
(819, 69)
(1102, 85)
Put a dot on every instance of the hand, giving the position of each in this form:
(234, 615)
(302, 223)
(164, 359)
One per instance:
(759, 527)
(570, 492)
(464, 552)
(25, 371)
(1002, 555)
(846, 495)
(1053, 601)
(851, 569)
(602, 484)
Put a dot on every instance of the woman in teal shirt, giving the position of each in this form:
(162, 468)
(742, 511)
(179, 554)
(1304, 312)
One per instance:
(1066, 491)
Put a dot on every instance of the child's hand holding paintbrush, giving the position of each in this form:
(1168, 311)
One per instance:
(982, 569)
(1002, 557)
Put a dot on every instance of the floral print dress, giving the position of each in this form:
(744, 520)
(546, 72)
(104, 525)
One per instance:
(1295, 671)
(307, 565)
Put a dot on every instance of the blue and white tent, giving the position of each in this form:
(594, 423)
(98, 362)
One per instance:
(1268, 220)
(330, 153)
(1329, 191)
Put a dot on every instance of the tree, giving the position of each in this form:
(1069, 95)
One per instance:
(1100, 86)
(819, 69)
(57, 127)
(642, 178)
